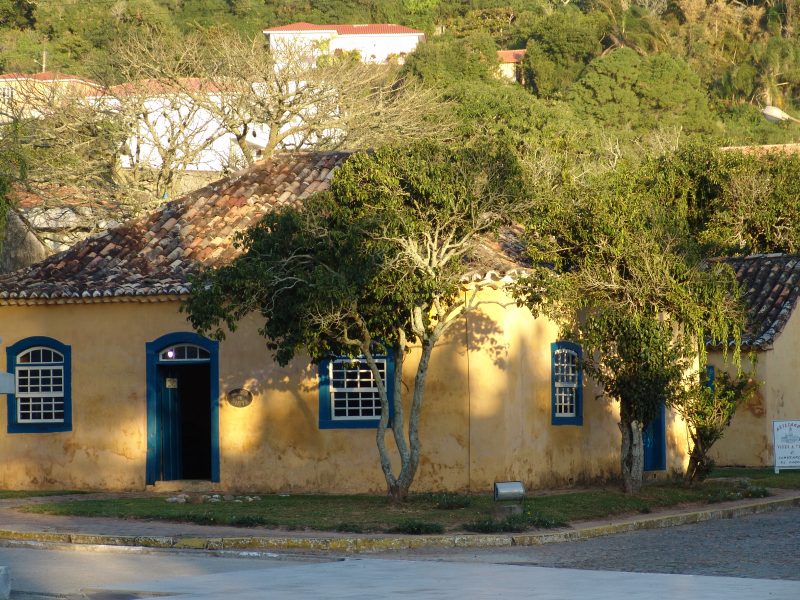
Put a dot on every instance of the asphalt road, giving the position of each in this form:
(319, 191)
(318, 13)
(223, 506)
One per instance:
(37, 573)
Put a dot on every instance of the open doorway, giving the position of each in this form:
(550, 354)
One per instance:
(184, 430)
(182, 409)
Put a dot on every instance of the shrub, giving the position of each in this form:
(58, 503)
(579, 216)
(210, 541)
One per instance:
(251, 521)
(349, 528)
(413, 527)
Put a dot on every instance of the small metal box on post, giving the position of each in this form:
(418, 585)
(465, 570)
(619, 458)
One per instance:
(508, 498)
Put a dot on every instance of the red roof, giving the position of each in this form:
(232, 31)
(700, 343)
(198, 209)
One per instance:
(510, 56)
(344, 29)
(156, 87)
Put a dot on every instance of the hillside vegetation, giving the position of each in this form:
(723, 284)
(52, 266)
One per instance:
(640, 70)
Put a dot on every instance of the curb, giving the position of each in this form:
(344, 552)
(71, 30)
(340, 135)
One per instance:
(354, 545)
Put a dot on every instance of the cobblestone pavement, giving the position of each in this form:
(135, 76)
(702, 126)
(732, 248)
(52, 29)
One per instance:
(765, 546)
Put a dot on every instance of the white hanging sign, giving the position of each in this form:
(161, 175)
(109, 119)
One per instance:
(786, 441)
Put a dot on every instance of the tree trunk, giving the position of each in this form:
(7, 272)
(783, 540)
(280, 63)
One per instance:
(632, 456)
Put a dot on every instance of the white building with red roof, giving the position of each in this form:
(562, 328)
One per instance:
(375, 43)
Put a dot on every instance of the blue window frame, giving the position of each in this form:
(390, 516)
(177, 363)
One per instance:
(566, 381)
(348, 392)
(42, 398)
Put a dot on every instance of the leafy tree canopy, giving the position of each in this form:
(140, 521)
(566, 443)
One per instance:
(373, 265)
(623, 275)
(629, 92)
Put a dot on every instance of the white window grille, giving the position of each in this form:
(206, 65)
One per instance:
(565, 380)
(183, 352)
(353, 389)
(40, 386)
(6, 94)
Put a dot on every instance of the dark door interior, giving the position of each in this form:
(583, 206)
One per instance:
(184, 421)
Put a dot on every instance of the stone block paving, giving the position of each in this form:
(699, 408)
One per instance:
(762, 546)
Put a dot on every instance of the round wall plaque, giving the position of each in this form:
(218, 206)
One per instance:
(240, 397)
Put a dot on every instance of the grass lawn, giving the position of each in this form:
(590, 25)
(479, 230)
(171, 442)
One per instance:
(423, 513)
(34, 493)
(763, 477)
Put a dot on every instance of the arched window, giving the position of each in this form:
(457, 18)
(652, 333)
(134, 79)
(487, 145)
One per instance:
(184, 352)
(41, 400)
(567, 384)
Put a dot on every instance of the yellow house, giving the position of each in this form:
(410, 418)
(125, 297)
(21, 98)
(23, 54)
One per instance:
(112, 389)
(771, 287)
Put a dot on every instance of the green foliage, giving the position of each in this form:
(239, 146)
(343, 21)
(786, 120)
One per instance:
(559, 47)
(16, 13)
(637, 359)
(708, 407)
(745, 490)
(734, 203)
(414, 527)
(445, 60)
(632, 94)
(343, 256)
(370, 266)
(624, 276)
(515, 523)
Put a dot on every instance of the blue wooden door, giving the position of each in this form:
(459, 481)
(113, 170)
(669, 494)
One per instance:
(169, 424)
(654, 438)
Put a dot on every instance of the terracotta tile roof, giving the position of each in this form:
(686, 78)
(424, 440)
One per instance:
(156, 87)
(155, 255)
(510, 56)
(770, 287)
(344, 29)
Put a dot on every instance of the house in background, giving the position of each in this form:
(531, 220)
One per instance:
(115, 391)
(175, 126)
(375, 43)
(771, 287)
(510, 64)
(29, 95)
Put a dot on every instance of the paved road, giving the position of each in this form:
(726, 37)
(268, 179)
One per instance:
(66, 572)
(757, 556)
(765, 546)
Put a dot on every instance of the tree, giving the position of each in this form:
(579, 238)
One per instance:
(633, 94)
(58, 145)
(622, 274)
(708, 406)
(735, 202)
(373, 266)
(294, 98)
(559, 47)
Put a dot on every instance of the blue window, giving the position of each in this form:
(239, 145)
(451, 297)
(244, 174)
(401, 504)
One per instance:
(566, 383)
(348, 392)
(42, 398)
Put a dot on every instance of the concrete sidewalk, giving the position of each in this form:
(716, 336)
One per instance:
(20, 527)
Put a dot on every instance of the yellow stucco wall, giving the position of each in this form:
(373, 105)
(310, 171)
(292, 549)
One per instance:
(486, 415)
(748, 441)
